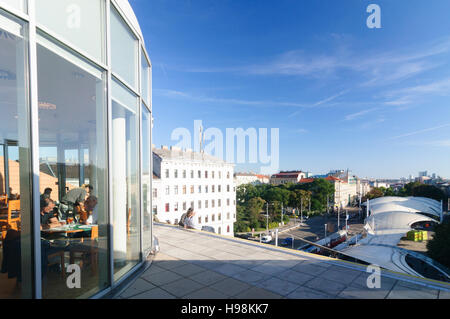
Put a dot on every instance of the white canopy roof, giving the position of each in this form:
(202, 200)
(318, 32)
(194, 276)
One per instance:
(406, 204)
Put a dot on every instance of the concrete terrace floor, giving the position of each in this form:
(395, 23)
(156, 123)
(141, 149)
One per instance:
(199, 265)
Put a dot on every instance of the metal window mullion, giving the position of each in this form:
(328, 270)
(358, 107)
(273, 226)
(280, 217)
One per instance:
(34, 119)
(141, 197)
(109, 130)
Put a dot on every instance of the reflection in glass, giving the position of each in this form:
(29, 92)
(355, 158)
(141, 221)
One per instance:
(17, 4)
(126, 221)
(146, 178)
(146, 79)
(15, 167)
(80, 22)
(124, 50)
(72, 149)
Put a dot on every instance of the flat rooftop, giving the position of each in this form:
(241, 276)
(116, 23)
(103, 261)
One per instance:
(199, 265)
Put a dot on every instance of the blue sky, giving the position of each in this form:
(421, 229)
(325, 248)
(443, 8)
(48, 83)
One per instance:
(375, 101)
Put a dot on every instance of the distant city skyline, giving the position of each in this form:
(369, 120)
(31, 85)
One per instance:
(342, 95)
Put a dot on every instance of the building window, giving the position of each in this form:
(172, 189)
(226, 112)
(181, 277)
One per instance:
(15, 147)
(155, 210)
(124, 49)
(175, 189)
(228, 202)
(228, 174)
(220, 230)
(200, 220)
(228, 188)
(199, 204)
(184, 173)
(192, 174)
(175, 207)
(212, 174)
(213, 188)
(167, 190)
(192, 189)
(220, 174)
(219, 203)
(155, 193)
(206, 174)
(184, 206)
(199, 189)
(228, 215)
(213, 218)
(213, 203)
(228, 229)
(206, 219)
(219, 217)
(206, 203)
(192, 205)
(167, 173)
(199, 174)
(167, 207)
(206, 188)
(219, 188)
(184, 189)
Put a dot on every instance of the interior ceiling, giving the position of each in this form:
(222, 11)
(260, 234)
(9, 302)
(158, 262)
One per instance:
(60, 84)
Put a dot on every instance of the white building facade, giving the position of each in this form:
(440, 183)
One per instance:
(185, 179)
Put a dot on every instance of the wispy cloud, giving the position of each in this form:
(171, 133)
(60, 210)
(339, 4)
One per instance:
(434, 128)
(179, 94)
(356, 115)
(379, 69)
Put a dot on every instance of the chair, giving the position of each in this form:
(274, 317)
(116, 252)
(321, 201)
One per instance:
(85, 250)
(61, 261)
(11, 219)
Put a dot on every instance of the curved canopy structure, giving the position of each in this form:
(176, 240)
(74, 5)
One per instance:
(390, 219)
(406, 204)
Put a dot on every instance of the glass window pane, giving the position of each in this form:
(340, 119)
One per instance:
(146, 78)
(74, 20)
(18, 4)
(146, 178)
(15, 161)
(125, 172)
(124, 50)
(72, 149)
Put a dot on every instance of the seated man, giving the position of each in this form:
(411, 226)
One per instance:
(47, 193)
(88, 215)
(49, 218)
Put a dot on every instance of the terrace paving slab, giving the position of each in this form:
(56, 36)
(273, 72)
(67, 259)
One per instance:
(211, 266)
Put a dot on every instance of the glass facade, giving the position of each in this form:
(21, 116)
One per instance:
(75, 148)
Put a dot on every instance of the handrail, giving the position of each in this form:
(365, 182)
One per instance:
(334, 253)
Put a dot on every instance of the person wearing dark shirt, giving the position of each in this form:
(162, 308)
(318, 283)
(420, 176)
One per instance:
(73, 198)
(49, 218)
(46, 194)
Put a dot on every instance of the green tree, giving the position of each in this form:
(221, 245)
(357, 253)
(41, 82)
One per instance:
(438, 247)
(429, 191)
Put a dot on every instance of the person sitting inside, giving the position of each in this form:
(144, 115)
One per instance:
(49, 217)
(46, 194)
(88, 214)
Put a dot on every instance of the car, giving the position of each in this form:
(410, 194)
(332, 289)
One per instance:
(266, 239)
(287, 242)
